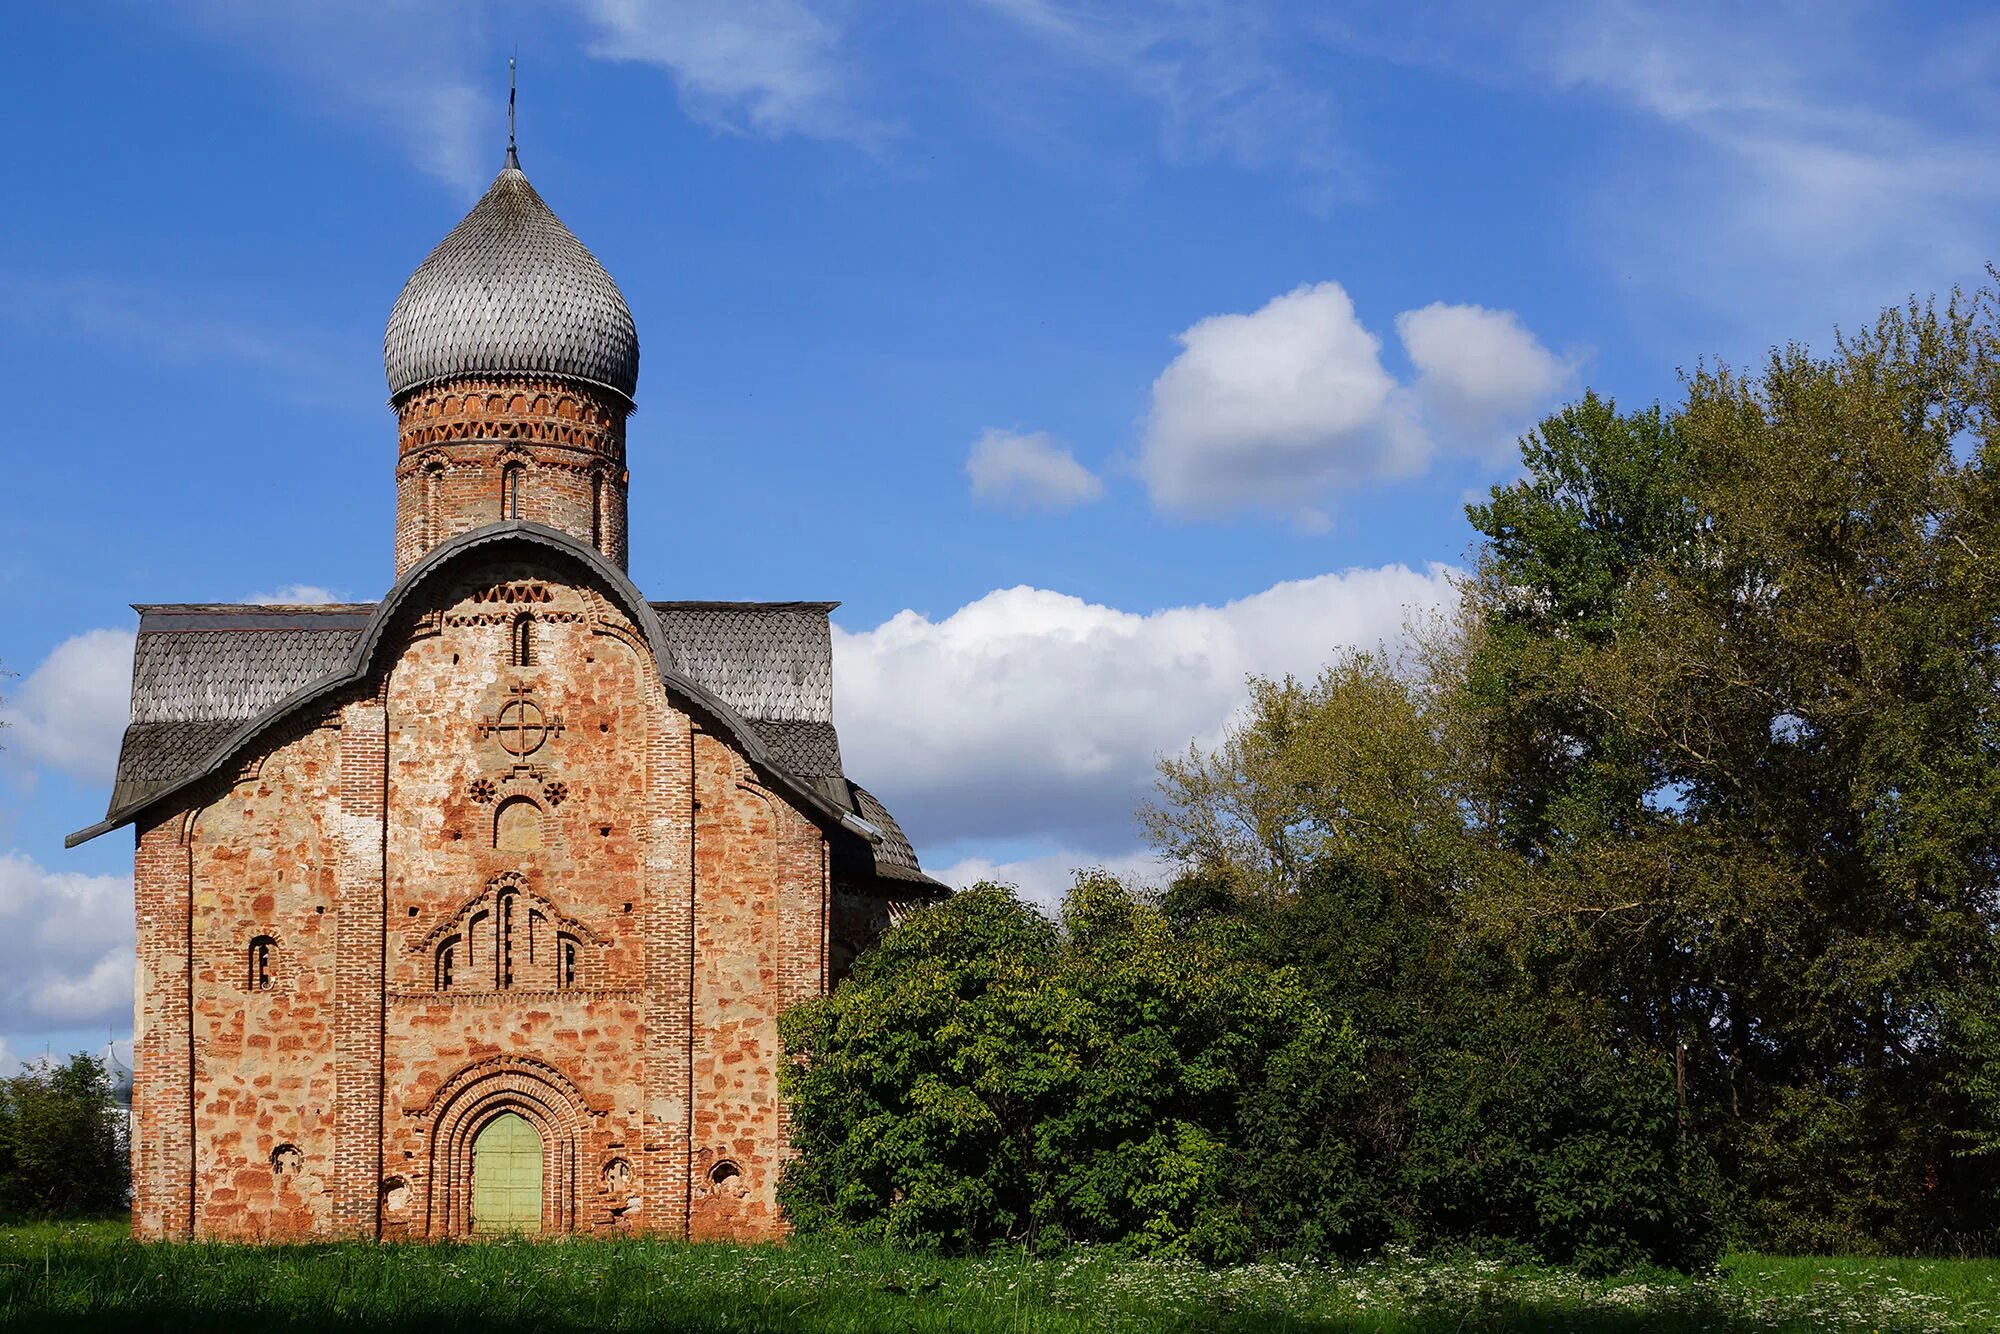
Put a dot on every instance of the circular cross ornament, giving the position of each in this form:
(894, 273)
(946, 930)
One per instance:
(521, 727)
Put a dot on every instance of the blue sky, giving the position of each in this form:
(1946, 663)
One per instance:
(1093, 354)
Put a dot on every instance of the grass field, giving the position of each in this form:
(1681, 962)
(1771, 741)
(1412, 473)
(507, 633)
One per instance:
(90, 1277)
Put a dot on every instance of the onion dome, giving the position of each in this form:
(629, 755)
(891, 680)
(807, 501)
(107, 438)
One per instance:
(510, 291)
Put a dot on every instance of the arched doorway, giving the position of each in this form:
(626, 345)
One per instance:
(507, 1176)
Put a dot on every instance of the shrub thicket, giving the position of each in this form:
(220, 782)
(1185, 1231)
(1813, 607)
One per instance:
(62, 1141)
(1126, 1078)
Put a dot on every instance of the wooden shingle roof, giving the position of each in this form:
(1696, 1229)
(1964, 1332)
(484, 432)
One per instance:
(201, 671)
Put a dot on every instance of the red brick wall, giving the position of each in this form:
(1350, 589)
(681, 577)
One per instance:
(456, 439)
(697, 901)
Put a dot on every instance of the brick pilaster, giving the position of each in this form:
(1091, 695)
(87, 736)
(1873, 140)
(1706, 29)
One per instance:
(669, 970)
(358, 968)
(163, 1087)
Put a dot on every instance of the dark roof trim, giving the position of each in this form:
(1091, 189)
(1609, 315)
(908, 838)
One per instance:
(171, 620)
(508, 532)
(749, 606)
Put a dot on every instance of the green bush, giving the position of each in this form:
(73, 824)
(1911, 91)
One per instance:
(1142, 1076)
(62, 1141)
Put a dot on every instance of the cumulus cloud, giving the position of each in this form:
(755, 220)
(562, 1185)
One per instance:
(1283, 402)
(1034, 712)
(66, 948)
(1481, 375)
(1028, 472)
(1045, 879)
(70, 712)
(1276, 408)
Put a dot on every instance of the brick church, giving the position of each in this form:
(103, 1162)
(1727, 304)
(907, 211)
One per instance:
(475, 908)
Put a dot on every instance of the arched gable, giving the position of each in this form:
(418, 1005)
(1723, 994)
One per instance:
(365, 660)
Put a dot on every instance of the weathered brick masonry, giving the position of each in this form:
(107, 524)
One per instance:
(510, 843)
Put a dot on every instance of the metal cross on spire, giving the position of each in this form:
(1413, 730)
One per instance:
(513, 159)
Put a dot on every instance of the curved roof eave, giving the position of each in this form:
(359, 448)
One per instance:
(362, 660)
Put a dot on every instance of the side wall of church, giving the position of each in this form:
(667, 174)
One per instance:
(515, 878)
(260, 1011)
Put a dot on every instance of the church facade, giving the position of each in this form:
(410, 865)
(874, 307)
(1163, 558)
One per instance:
(475, 908)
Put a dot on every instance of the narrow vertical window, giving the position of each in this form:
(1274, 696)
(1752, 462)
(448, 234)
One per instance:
(478, 923)
(566, 962)
(523, 654)
(597, 509)
(429, 518)
(260, 970)
(503, 953)
(510, 491)
(447, 959)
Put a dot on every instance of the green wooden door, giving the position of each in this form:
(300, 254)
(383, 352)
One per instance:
(507, 1176)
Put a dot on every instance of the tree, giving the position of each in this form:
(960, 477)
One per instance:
(1738, 673)
(62, 1141)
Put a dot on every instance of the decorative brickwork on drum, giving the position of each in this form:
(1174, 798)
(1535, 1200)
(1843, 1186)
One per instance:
(512, 842)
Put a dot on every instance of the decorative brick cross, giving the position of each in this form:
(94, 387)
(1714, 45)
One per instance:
(521, 725)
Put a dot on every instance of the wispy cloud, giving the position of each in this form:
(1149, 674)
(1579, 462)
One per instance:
(428, 96)
(175, 327)
(770, 67)
(1809, 161)
(1218, 74)
(764, 67)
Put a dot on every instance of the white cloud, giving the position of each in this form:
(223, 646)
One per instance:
(1028, 472)
(66, 948)
(71, 711)
(1278, 407)
(294, 595)
(1481, 376)
(1045, 879)
(773, 67)
(1030, 712)
(1273, 407)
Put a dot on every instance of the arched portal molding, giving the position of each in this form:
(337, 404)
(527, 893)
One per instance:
(468, 1101)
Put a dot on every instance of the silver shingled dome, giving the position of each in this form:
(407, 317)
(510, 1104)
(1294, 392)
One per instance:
(510, 290)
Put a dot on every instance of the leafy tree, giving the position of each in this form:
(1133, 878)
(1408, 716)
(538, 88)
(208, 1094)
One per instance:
(1737, 668)
(62, 1141)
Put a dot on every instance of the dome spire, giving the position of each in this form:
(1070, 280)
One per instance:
(513, 158)
(511, 291)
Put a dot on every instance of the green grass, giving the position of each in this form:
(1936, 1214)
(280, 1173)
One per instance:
(91, 1276)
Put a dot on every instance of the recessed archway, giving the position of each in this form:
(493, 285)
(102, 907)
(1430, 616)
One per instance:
(468, 1107)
